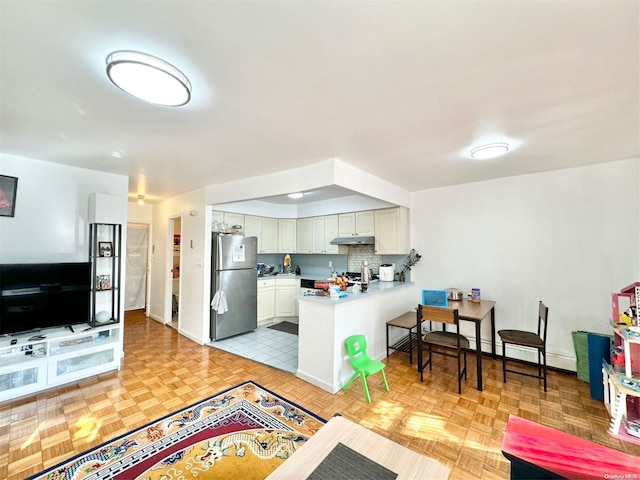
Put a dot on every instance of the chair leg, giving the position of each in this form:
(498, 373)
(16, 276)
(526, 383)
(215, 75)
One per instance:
(544, 358)
(430, 362)
(504, 364)
(540, 363)
(348, 384)
(465, 364)
(384, 378)
(365, 387)
(459, 375)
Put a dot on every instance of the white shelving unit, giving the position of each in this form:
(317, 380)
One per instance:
(105, 272)
(62, 356)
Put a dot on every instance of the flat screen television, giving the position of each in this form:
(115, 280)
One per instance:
(34, 296)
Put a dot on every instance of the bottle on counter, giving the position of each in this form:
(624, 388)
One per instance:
(297, 269)
(365, 276)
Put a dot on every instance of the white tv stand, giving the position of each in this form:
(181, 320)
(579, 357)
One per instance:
(61, 357)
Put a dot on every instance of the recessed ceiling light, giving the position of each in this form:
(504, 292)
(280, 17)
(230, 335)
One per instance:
(296, 195)
(148, 78)
(490, 150)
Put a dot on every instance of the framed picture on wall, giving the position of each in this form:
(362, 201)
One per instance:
(8, 190)
(105, 249)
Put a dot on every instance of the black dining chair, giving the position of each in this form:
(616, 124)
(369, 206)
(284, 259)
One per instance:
(528, 339)
(441, 342)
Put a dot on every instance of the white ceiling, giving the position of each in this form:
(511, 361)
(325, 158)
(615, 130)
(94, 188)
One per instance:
(399, 89)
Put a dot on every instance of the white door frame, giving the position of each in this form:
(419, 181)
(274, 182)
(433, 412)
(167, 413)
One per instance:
(168, 284)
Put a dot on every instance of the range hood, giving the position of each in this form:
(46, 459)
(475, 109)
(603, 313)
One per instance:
(368, 240)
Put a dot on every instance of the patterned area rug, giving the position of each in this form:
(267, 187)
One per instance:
(244, 432)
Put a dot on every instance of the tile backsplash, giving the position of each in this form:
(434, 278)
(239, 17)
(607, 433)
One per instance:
(359, 253)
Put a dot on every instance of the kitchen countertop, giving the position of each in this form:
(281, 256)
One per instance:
(375, 288)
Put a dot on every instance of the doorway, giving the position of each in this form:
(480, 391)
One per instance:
(136, 286)
(175, 230)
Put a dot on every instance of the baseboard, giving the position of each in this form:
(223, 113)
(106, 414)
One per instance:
(318, 383)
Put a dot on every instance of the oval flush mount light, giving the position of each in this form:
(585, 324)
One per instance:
(148, 78)
(490, 150)
(296, 195)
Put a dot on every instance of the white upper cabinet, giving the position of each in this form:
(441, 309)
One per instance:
(330, 232)
(227, 218)
(287, 233)
(266, 229)
(356, 223)
(392, 231)
(324, 229)
(318, 240)
(305, 235)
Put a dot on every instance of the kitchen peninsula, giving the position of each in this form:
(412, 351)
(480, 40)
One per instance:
(325, 323)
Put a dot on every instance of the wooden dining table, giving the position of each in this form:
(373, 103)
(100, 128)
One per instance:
(476, 312)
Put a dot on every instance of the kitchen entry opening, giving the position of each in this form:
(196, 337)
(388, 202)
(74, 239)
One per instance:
(174, 253)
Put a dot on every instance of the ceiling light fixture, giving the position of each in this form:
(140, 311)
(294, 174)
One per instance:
(296, 195)
(148, 78)
(140, 199)
(490, 150)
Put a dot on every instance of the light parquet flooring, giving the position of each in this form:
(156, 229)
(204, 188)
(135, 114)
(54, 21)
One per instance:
(163, 372)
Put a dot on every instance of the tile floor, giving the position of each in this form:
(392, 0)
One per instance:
(264, 345)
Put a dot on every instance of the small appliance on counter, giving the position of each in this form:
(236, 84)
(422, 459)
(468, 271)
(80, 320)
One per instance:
(387, 272)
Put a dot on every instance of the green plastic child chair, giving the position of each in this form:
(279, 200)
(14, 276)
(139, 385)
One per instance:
(357, 349)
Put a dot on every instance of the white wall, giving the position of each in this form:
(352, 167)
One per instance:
(51, 222)
(194, 264)
(139, 213)
(569, 238)
(52, 205)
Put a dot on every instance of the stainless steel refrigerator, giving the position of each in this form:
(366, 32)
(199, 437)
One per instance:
(233, 272)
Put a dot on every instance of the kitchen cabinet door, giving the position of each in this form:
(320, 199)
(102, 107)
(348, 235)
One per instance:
(346, 224)
(232, 219)
(392, 231)
(318, 240)
(253, 228)
(217, 219)
(266, 229)
(356, 223)
(285, 296)
(305, 235)
(269, 234)
(330, 232)
(287, 230)
(266, 300)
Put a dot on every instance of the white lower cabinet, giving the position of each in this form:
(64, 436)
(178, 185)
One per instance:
(61, 357)
(24, 378)
(286, 303)
(277, 298)
(266, 300)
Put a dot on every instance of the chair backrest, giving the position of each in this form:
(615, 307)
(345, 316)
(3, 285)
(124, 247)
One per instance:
(438, 314)
(356, 346)
(543, 315)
